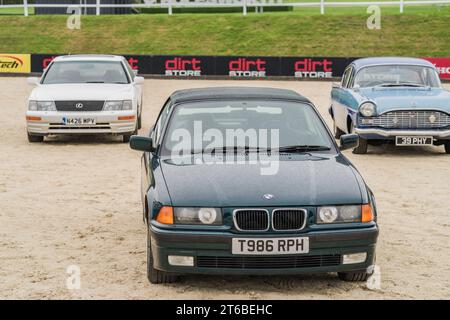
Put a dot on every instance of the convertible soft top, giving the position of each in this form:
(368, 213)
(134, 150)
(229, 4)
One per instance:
(217, 93)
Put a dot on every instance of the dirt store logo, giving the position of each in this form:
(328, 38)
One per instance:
(15, 63)
(184, 67)
(312, 68)
(243, 67)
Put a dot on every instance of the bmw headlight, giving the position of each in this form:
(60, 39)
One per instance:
(208, 216)
(118, 105)
(41, 105)
(368, 109)
(344, 214)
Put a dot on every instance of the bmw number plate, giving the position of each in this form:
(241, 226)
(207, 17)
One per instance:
(413, 141)
(270, 245)
(78, 121)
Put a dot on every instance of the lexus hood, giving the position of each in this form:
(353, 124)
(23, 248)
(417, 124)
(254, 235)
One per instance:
(308, 182)
(82, 91)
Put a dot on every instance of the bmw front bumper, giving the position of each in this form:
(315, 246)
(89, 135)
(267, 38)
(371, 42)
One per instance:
(108, 122)
(212, 252)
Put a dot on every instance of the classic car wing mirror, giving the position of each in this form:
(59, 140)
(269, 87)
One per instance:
(141, 143)
(349, 141)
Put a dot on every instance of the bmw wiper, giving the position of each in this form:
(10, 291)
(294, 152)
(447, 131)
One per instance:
(303, 148)
(95, 82)
(231, 148)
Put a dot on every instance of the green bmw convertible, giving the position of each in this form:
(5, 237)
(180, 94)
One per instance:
(251, 181)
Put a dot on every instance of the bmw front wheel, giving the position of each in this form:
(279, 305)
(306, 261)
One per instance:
(156, 276)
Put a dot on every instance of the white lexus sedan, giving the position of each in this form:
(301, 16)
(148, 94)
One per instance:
(85, 94)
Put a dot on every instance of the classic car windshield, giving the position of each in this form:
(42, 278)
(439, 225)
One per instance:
(86, 72)
(397, 75)
(245, 124)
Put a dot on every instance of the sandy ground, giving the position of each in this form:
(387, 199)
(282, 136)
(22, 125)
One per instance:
(75, 201)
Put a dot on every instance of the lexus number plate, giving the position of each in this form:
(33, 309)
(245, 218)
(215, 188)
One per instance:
(270, 245)
(79, 121)
(413, 141)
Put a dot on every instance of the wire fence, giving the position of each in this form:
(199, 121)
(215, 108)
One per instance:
(96, 5)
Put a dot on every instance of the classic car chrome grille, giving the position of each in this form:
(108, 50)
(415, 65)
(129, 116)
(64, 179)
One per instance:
(251, 219)
(79, 106)
(279, 262)
(288, 219)
(410, 120)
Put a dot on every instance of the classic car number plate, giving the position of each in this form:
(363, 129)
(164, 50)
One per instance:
(270, 245)
(413, 141)
(79, 121)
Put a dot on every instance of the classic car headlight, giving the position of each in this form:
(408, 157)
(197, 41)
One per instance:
(344, 214)
(118, 105)
(41, 105)
(198, 216)
(368, 109)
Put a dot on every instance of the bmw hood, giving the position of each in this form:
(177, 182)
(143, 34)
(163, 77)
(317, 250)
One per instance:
(408, 98)
(308, 182)
(83, 91)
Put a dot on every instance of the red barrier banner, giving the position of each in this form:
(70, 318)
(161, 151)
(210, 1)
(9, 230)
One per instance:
(442, 65)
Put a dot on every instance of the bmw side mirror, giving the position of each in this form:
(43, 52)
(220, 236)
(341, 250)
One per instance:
(33, 81)
(349, 141)
(141, 143)
(139, 80)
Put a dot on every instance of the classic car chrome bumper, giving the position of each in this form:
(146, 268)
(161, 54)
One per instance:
(440, 134)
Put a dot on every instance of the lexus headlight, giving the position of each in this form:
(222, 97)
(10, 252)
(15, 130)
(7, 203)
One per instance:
(344, 214)
(208, 216)
(368, 109)
(118, 105)
(41, 105)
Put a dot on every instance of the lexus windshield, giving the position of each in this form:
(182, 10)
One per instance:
(248, 125)
(86, 72)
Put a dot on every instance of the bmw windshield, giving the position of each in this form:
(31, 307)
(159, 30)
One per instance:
(250, 125)
(62, 72)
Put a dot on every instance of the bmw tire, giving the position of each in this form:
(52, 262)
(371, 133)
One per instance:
(354, 276)
(156, 276)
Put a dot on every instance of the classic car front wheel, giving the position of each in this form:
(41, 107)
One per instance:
(354, 276)
(156, 276)
(362, 145)
(337, 132)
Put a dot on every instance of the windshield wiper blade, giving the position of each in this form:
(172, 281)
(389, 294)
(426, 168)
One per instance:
(95, 82)
(401, 84)
(231, 148)
(303, 148)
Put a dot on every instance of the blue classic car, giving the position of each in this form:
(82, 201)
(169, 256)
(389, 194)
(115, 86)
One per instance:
(391, 99)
